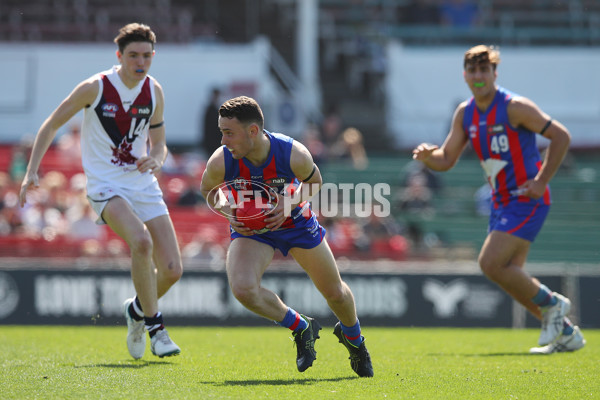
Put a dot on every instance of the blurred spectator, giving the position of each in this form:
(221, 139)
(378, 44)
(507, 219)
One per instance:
(80, 215)
(383, 237)
(483, 200)
(205, 247)
(11, 212)
(69, 144)
(415, 203)
(416, 197)
(432, 178)
(311, 138)
(378, 228)
(191, 195)
(332, 125)
(20, 155)
(82, 222)
(55, 191)
(343, 234)
(350, 144)
(211, 134)
(5, 227)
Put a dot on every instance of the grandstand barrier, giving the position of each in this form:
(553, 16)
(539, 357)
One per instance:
(94, 296)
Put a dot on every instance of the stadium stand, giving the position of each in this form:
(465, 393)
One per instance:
(350, 52)
(570, 234)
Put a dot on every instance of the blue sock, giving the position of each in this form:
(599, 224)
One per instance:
(293, 321)
(352, 333)
(567, 327)
(544, 297)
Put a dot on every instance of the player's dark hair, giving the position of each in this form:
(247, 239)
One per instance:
(134, 32)
(245, 109)
(482, 54)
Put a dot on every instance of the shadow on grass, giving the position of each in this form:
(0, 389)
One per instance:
(125, 365)
(506, 354)
(278, 382)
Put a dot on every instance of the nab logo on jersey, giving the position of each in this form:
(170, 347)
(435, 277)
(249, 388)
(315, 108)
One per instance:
(494, 129)
(140, 111)
(109, 110)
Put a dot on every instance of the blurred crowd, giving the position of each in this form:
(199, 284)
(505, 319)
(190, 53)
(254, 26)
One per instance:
(57, 219)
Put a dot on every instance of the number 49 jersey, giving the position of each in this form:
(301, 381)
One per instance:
(509, 156)
(114, 133)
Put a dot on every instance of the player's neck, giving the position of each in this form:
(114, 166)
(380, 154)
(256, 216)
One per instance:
(484, 102)
(261, 150)
(129, 83)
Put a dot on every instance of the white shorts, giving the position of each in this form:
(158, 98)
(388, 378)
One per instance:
(146, 204)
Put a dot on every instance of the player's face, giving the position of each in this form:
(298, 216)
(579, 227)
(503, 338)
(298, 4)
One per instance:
(235, 136)
(135, 61)
(481, 79)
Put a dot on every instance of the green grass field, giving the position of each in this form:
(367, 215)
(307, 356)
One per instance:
(259, 363)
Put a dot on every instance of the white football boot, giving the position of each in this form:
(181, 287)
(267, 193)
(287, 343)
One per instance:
(552, 319)
(162, 345)
(564, 343)
(136, 335)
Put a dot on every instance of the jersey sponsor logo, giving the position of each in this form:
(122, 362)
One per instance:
(275, 181)
(109, 110)
(138, 111)
(495, 129)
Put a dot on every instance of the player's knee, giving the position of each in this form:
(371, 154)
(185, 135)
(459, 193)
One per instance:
(244, 293)
(172, 272)
(141, 244)
(336, 294)
(489, 268)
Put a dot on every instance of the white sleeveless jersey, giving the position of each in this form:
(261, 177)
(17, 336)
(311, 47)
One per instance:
(114, 133)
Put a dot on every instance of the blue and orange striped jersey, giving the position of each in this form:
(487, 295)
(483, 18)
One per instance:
(509, 155)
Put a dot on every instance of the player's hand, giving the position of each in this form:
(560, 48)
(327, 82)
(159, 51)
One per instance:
(30, 179)
(148, 163)
(532, 188)
(240, 228)
(423, 151)
(276, 215)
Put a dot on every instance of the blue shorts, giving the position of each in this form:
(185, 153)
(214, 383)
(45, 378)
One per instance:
(523, 220)
(306, 234)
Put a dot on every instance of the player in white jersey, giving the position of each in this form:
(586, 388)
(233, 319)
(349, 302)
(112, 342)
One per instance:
(123, 111)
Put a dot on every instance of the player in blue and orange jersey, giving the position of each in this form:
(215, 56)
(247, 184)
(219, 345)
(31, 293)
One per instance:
(501, 127)
(256, 160)
(123, 113)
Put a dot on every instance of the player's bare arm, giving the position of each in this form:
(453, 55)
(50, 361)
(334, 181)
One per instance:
(158, 151)
(212, 178)
(82, 96)
(307, 172)
(523, 112)
(445, 157)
